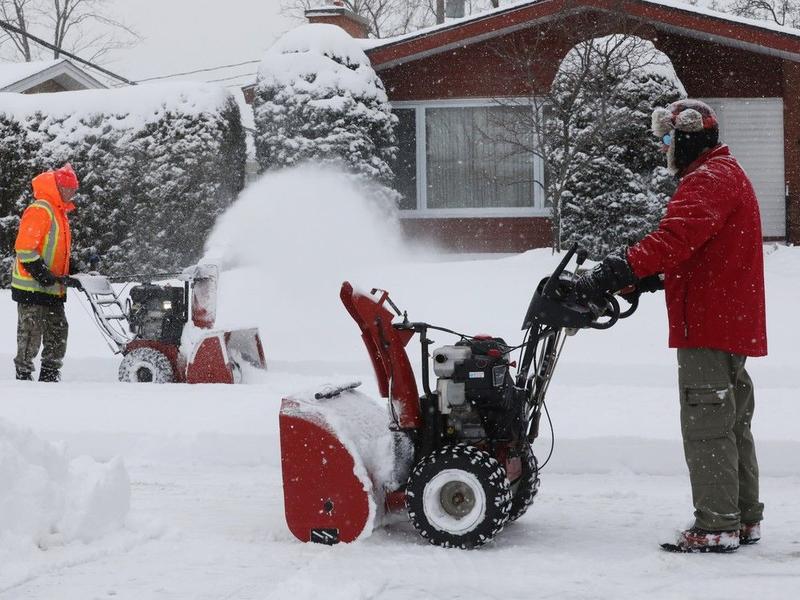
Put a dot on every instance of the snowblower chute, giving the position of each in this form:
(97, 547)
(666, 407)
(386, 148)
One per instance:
(461, 461)
(149, 328)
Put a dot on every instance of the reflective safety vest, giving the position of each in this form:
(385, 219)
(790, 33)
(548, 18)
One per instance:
(44, 233)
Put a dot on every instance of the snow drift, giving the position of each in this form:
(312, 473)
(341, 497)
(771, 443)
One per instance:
(46, 499)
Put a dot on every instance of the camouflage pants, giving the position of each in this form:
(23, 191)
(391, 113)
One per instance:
(717, 406)
(37, 326)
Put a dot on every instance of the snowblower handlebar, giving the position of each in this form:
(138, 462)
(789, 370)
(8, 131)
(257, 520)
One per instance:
(556, 304)
(552, 282)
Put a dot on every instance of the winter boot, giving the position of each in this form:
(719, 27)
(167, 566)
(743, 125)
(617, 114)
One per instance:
(700, 540)
(49, 375)
(24, 375)
(749, 533)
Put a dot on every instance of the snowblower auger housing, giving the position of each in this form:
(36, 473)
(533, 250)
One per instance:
(463, 464)
(148, 328)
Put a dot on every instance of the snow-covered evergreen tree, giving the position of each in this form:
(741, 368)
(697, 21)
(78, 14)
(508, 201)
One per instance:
(318, 98)
(615, 184)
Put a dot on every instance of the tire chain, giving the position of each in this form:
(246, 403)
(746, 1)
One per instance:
(497, 478)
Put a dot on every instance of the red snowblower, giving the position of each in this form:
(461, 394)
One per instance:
(149, 328)
(458, 458)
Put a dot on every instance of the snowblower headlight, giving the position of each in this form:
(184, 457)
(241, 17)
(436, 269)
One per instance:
(167, 305)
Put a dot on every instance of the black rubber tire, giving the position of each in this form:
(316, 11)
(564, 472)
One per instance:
(477, 466)
(527, 487)
(146, 365)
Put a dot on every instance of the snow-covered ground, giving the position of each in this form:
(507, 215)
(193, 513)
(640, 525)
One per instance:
(206, 505)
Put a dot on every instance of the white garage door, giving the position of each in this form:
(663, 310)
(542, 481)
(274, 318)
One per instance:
(753, 128)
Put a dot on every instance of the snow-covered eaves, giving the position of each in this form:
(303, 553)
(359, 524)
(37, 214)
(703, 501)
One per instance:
(667, 15)
(22, 77)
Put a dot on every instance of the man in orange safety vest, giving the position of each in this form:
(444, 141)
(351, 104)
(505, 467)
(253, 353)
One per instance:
(41, 274)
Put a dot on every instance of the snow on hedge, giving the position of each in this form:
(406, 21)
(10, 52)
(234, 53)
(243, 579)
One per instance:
(132, 107)
(319, 98)
(157, 164)
(46, 500)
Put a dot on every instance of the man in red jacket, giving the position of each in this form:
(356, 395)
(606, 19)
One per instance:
(708, 253)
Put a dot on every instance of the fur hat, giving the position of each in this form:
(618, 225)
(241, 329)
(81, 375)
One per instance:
(694, 126)
(684, 115)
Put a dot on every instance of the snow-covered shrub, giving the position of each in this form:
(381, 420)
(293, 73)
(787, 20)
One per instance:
(157, 165)
(318, 98)
(16, 168)
(615, 184)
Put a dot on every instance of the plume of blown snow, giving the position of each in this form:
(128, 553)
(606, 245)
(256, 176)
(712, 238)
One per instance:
(285, 247)
(306, 218)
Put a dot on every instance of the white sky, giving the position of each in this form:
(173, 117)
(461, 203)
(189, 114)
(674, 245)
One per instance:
(183, 35)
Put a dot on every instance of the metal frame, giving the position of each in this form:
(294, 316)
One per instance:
(108, 311)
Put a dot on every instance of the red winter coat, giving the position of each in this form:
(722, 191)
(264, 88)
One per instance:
(709, 248)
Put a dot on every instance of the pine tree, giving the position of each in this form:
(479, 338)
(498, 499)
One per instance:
(319, 99)
(616, 185)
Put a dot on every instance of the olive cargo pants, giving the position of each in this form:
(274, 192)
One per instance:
(37, 325)
(717, 406)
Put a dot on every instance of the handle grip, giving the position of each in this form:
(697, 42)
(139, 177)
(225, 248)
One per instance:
(552, 282)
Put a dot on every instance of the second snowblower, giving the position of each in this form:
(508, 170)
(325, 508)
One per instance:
(151, 329)
(458, 457)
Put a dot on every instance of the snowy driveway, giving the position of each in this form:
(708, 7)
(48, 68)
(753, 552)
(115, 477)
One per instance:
(206, 517)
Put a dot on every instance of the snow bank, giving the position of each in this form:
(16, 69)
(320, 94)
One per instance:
(47, 500)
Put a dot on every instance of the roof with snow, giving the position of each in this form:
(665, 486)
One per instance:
(61, 74)
(667, 15)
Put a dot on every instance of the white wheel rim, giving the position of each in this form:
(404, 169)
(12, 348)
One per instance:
(454, 501)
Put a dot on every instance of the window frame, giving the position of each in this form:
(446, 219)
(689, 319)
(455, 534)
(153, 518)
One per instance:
(422, 211)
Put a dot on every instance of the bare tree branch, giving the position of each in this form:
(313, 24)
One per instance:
(13, 11)
(390, 17)
(782, 12)
(84, 27)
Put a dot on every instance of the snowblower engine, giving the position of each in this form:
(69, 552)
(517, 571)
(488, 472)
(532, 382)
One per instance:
(475, 390)
(158, 312)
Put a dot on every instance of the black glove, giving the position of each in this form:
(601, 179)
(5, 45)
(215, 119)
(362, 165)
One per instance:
(612, 274)
(40, 272)
(651, 283)
(72, 282)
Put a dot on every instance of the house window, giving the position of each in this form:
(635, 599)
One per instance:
(405, 167)
(473, 158)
